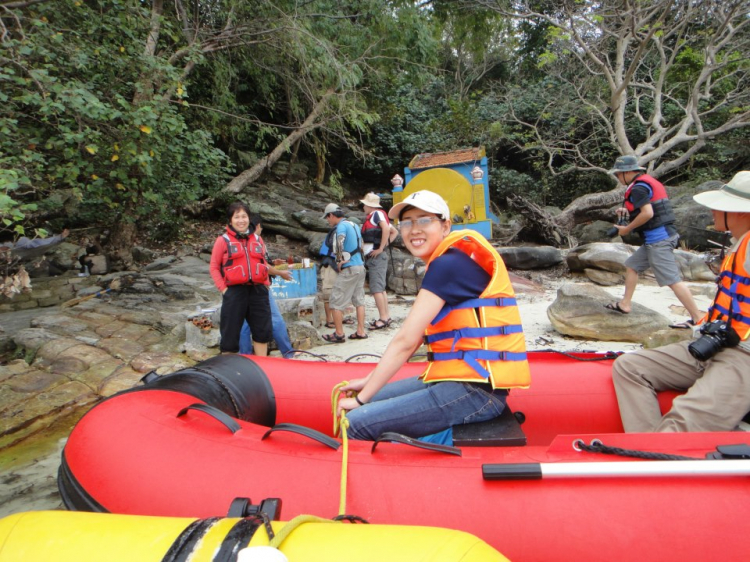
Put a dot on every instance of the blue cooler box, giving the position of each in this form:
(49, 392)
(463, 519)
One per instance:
(304, 283)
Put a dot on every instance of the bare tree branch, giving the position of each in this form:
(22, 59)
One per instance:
(26, 4)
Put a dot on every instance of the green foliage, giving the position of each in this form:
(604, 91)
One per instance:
(69, 121)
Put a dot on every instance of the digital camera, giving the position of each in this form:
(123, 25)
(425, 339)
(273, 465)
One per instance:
(612, 232)
(715, 336)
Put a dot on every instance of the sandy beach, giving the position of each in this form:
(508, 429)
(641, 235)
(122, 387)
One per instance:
(537, 328)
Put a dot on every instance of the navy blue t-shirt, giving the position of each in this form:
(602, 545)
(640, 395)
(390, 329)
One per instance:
(455, 277)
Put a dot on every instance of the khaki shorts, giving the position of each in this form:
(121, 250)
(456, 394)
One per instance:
(328, 278)
(349, 288)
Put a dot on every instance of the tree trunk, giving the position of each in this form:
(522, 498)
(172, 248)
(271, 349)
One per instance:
(121, 242)
(253, 173)
(556, 230)
(541, 222)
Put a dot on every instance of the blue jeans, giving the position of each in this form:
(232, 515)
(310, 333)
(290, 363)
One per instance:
(416, 409)
(280, 333)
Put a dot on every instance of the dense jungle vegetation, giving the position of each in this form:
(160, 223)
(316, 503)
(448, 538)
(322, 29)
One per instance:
(130, 113)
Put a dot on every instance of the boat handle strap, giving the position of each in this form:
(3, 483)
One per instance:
(393, 437)
(225, 419)
(307, 432)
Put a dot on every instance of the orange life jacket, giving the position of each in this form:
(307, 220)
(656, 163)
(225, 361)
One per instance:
(478, 340)
(245, 260)
(732, 300)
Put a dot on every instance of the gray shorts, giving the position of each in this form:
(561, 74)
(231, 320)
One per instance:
(660, 258)
(377, 270)
(349, 287)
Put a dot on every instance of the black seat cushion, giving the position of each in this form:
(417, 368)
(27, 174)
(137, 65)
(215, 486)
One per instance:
(502, 431)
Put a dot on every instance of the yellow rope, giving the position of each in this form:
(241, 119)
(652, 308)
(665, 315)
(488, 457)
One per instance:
(338, 424)
(335, 394)
(341, 424)
(344, 423)
(292, 525)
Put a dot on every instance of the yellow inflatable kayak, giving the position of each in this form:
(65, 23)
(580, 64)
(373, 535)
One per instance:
(96, 537)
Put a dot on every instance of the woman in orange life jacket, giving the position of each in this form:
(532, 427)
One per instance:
(470, 323)
(241, 273)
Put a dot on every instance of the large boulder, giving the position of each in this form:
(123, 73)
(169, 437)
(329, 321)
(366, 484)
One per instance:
(610, 257)
(607, 256)
(694, 219)
(579, 311)
(530, 257)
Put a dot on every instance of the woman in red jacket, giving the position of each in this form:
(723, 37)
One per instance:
(241, 273)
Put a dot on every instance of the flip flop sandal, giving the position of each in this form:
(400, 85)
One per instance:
(334, 338)
(348, 321)
(380, 324)
(330, 325)
(356, 336)
(686, 325)
(616, 307)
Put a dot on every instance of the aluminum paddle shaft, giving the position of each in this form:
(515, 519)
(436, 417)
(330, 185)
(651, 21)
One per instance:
(538, 471)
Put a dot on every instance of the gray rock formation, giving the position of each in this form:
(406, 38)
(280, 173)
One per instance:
(579, 311)
(530, 257)
(610, 257)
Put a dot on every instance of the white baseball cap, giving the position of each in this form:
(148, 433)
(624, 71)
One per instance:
(425, 200)
(733, 197)
(330, 208)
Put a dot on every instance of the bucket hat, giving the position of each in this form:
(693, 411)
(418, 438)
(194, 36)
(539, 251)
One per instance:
(733, 197)
(425, 200)
(626, 163)
(371, 200)
(330, 208)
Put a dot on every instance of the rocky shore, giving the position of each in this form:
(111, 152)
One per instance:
(67, 358)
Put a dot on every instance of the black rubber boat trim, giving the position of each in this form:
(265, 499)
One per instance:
(393, 437)
(218, 415)
(73, 494)
(306, 431)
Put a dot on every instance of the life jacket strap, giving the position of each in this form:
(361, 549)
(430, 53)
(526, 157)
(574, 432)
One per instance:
(734, 316)
(734, 277)
(472, 357)
(474, 303)
(481, 332)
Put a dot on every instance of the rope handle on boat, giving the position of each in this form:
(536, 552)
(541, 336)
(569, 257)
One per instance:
(598, 447)
(306, 431)
(226, 420)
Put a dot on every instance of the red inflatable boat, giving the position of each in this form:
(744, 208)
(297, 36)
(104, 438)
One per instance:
(187, 444)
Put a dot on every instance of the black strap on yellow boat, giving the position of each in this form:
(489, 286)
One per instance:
(183, 546)
(237, 538)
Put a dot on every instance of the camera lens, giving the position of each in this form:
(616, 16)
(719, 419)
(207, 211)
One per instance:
(704, 347)
(611, 232)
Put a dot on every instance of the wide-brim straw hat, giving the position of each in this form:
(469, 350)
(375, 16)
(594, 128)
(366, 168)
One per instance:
(733, 197)
(371, 200)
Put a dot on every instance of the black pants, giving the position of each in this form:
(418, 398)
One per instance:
(240, 303)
